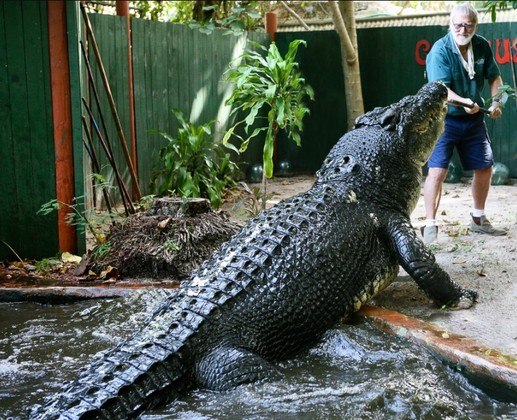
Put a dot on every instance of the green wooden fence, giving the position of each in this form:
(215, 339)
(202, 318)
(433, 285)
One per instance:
(175, 67)
(26, 139)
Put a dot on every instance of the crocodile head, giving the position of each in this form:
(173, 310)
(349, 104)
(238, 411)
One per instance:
(418, 120)
(422, 120)
(381, 158)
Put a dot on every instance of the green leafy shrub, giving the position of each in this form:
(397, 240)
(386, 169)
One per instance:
(82, 219)
(194, 165)
(274, 86)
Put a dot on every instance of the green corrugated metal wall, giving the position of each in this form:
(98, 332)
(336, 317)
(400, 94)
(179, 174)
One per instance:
(320, 63)
(389, 71)
(26, 140)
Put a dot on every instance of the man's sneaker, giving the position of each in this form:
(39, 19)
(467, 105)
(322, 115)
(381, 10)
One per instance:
(482, 225)
(429, 233)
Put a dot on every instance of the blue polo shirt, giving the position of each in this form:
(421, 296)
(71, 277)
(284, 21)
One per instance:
(444, 63)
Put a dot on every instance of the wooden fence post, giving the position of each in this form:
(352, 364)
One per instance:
(271, 25)
(62, 120)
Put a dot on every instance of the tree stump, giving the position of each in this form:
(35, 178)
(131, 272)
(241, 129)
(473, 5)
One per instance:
(176, 207)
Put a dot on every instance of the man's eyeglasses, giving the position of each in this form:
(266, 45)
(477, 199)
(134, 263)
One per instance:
(467, 26)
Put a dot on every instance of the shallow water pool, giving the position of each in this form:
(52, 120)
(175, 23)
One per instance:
(355, 372)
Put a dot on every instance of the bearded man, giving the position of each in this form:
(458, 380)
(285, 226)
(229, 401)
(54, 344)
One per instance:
(463, 60)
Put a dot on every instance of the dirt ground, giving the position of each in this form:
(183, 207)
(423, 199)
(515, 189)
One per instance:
(480, 262)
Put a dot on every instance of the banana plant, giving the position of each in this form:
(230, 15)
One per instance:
(272, 85)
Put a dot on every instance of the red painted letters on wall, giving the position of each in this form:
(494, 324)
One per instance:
(421, 49)
(505, 51)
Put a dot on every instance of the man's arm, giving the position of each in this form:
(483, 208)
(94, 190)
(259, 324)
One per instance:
(496, 109)
(453, 95)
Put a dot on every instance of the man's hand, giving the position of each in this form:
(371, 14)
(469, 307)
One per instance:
(474, 109)
(496, 110)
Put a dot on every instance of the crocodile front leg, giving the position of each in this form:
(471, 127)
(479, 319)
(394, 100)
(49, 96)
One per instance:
(420, 264)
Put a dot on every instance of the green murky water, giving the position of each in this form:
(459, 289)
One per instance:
(356, 372)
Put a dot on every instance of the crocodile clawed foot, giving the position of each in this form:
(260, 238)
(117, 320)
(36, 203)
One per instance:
(466, 301)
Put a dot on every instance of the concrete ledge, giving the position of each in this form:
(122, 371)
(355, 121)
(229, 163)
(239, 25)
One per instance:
(488, 369)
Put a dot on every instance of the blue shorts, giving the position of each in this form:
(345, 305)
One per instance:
(469, 135)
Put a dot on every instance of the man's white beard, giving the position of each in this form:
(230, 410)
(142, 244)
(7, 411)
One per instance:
(462, 40)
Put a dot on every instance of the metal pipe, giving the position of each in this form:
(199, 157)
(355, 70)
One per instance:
(62, 122)
(123, 190)
(96, 97)
(111, 101)
(93, 156)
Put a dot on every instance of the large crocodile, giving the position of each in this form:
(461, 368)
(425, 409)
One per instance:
(289, 275)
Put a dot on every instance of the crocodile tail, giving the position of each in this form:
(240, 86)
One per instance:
(146, 371)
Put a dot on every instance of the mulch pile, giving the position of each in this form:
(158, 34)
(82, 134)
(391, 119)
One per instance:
(167, 241)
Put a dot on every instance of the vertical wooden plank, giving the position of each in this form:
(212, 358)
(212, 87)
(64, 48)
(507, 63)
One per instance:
(39, 110)
(196, 108)
(21, 141)
(9, 219)
(150, 71)
(139, 80)
(160, 76)
(173, 51)
(142, 99)
(176, 70)
(184, 69)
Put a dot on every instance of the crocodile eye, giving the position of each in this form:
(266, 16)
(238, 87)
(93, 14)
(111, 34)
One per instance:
(346, 159)
(356, 168)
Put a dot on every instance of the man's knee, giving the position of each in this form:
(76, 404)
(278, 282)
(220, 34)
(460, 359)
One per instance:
(436, 175)
(484, 173)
